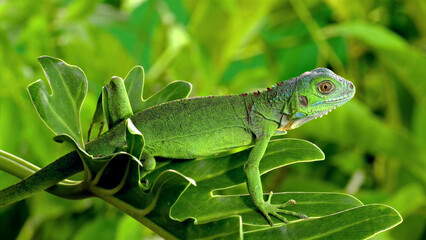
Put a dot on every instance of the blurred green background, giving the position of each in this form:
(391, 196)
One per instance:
(374, 145)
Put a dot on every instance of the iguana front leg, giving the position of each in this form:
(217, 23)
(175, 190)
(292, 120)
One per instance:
(254, 184)
(149, 163)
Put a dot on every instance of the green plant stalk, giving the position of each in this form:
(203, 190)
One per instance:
(16, 166)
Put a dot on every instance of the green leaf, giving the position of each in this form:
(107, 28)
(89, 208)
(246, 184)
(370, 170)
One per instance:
(227, 171)
(60, 110)
(220, 206)
(202, 204)
(96, 167)
(134, 82)
(168, 183)
(152, 208)
(313, 204)
(116, 179)
(356, 223)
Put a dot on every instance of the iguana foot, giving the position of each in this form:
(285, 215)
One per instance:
(149, 163)
(276, 209)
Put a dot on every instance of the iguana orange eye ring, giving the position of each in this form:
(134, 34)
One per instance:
(325, 87)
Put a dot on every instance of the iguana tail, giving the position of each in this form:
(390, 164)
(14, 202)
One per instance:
(51, 178)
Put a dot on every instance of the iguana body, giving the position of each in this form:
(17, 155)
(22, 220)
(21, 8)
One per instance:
(202, 126)
(190, 128)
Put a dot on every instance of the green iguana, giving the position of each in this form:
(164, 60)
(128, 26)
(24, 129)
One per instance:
(202, 126)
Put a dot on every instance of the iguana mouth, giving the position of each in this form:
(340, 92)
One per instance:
(287, 126)
(320, 114)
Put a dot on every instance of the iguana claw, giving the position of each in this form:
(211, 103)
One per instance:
(274, 209)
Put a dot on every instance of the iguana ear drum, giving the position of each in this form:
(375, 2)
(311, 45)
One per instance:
(303, 100)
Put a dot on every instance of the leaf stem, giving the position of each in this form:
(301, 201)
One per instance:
(16, 166)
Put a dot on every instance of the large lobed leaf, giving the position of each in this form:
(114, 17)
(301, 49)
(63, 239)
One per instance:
(60, 110)
(134, 82)
(224, 172)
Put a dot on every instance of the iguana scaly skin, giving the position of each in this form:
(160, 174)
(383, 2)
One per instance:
(201, 126)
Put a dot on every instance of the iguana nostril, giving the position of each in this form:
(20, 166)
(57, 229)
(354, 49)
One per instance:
(351, 86)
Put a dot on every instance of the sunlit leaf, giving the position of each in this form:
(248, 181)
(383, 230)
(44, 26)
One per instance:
(134, 83)
(60, 110)
(211, 174)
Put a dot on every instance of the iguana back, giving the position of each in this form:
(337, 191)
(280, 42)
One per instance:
(195, 127)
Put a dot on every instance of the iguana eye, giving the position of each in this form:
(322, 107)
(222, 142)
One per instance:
(325, 87)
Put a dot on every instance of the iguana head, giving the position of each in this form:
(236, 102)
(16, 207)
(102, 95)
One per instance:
(316, 93)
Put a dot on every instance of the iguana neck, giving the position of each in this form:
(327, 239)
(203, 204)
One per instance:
(275, 103)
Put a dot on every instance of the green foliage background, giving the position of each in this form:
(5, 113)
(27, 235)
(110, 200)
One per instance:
(374, 145)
